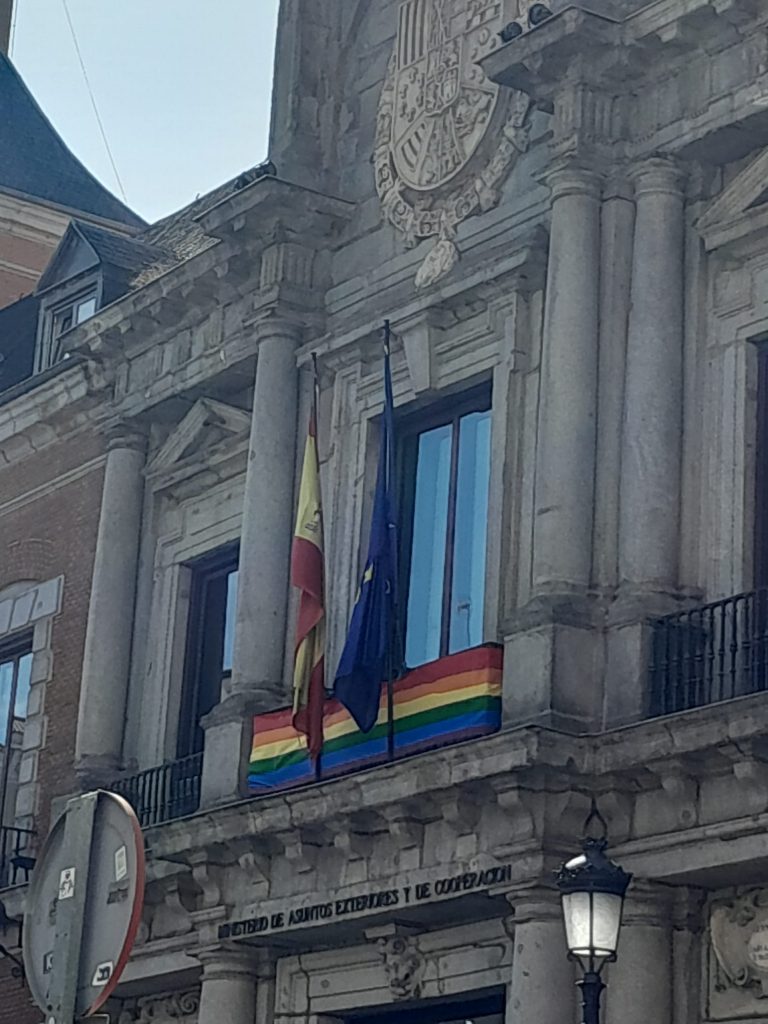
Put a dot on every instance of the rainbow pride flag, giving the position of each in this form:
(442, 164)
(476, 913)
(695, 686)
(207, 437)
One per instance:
(279, 756)
(438, 704)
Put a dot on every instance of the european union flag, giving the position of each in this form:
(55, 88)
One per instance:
(367, 659)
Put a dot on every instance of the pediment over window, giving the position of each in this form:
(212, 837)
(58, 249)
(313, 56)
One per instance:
(207, 425)
(740, 210)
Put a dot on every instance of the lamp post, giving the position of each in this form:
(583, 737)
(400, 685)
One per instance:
(592, 888)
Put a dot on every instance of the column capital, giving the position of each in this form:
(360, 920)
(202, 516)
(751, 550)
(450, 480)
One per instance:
(619, 186)
(537, 903)
(572, 177)
(124, 434)
(649, 903)
(659, 175)
(276, 324)
(225, 962)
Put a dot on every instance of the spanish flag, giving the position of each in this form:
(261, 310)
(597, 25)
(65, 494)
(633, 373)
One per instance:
(307, 575)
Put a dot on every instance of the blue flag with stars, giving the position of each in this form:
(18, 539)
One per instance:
(367, 659)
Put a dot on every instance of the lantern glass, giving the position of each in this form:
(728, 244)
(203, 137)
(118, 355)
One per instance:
(592, 923)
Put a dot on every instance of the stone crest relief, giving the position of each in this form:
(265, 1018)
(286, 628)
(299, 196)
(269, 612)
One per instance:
(446, 136)
(739, 933)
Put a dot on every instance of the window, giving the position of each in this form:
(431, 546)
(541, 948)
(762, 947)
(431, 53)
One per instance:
(446, 473)
(63, 318)
(210, 642)
(15, 677)
(479, 1009)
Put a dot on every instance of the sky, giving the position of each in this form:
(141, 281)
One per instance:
(183, 88)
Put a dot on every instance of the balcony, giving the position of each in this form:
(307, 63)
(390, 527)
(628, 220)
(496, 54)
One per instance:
(708, 654)
(172, 790)
(16, 855)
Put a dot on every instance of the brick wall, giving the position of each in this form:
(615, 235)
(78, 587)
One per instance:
(20, 258)
(16, 1006)
(52, 534)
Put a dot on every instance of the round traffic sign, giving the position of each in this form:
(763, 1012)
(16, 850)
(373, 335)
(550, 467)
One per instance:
(84, 905)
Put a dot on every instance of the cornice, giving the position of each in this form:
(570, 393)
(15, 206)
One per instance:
(606, 79)
(44, 408)
(271, 203)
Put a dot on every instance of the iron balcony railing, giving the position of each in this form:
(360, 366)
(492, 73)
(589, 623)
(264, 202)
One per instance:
(160, 794)
(16, 855)
(711, 653)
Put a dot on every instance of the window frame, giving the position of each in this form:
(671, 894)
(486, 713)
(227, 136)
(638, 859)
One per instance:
(448, 411)
(760, 552)
(12, 650)
(204, 571)
(53, 308)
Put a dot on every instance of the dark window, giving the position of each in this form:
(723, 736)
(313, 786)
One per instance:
(477, 1009)
(15, 676)
(210, 637)
(446, 471)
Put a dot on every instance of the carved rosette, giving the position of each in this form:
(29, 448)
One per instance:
(447, 137)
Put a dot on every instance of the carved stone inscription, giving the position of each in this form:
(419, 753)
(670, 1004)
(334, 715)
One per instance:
(446, 137)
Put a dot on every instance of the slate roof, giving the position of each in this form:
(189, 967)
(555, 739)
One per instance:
(131, 254)
(18, 332)
(34, 161)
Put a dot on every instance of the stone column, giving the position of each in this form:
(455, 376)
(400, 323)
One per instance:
(104, 687)
(565, 471)
(651, 440)
(640, 982)
(543, 987)
(616, 229)
(229, 988)
(257, 681)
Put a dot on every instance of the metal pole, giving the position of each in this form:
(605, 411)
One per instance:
(70, 909)
(592, 987)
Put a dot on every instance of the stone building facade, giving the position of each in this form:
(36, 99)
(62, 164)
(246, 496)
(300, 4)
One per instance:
(568, 233)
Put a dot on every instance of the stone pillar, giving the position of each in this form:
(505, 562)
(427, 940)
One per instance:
(229, 988)
(616, 229)
(565, 471)
(543, 986)
(640, 982)
(104, 688)
(257, 682)
(651, 441)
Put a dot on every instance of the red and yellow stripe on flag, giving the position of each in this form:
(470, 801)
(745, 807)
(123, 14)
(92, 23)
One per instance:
(307, 576)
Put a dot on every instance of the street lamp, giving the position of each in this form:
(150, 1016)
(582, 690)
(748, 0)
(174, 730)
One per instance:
(592, 888)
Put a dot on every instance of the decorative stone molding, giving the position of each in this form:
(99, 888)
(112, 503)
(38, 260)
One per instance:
(32, 606)
(442, 152)
(160, 1009)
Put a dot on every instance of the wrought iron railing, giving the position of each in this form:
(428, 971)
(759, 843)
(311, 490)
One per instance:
(17, 859)
(711, 653)
(160, 794)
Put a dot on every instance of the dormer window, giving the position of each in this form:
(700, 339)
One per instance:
(60, 318)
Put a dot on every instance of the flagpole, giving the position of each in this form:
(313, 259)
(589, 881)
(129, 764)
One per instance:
(315, 403)
(393, 596)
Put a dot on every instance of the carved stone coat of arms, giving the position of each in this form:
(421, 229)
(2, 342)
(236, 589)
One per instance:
(739, 933)
(447, 137)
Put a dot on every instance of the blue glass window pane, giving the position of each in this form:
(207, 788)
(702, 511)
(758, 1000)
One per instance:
(430, 522)
(468, 583)
(22, 687)
(229, 622)
(6, 686)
